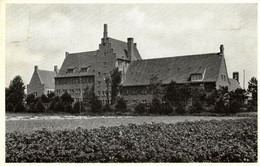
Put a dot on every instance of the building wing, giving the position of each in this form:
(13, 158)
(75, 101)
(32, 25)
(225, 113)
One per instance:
(181, 69)
(47, 78)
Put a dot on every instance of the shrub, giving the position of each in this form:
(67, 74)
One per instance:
(140, 108)
(66, 98)
(78, 107)
(220, 106)
(155, 106)
(44, 98)
(52, 106)
(68, 108)
(95, 105)
(39, 107)
(31, 107)
(180, 109)
(234, 107)
(51, 95)
(19, 107)
(30, 99)
(59, 107)
(107, 108)
(121, 105)
(166, 108)
(199, 141)
(9, 107)
(197, 107)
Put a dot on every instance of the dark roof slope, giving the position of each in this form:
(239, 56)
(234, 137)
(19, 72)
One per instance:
(120, 48)
(177, 69)
(76, 61)
(233, 84)
(47, 78)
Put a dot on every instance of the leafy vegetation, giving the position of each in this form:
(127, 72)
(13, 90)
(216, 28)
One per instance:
(200, 141)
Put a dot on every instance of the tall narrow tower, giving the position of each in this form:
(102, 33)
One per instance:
(105, 31)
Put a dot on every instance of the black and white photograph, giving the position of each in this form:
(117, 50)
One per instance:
(115, 82)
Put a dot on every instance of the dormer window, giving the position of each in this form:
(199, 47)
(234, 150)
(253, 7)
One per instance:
(84, 69)
(196, 77)
(70, 70)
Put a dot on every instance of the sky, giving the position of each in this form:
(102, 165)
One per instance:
(40, 34)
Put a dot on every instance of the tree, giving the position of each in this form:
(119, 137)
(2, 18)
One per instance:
(39, 107)
(116, 77)
(30, 99)
(252, 88)
(15, 93)
(44, 98)
(171, 93)
(95, 105)
(66, 98)
(121, 104)
(107, 81)
(51, 95)
(155, 107)
(155, 87)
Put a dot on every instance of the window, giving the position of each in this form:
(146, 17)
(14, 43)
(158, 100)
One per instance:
(99, 74)
(144, 101)
(105, 74)
(135, 101)
(71, 90)
(84, 69)
(98, 93)
(103, 93)
(196, 77)
(98, 83)
(64, 90)
(105, 64)
(224, 78)
(105, 54)
(70, 70)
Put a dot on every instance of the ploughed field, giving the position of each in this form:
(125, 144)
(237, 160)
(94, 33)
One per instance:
(200, 139)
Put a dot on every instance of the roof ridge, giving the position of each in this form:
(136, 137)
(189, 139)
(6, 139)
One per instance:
(117, 40)
(180, 56)
(83, 52)
(46, 70)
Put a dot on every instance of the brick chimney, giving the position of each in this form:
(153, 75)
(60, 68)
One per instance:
(36, 68)
(221, 49)
(56, 69)
(236, 76)
(130, 48)
(105, 31)
(66, 54)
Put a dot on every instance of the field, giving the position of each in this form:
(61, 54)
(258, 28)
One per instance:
(27, 123)
(231, 140)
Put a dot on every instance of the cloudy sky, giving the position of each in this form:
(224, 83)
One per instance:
(40, 34)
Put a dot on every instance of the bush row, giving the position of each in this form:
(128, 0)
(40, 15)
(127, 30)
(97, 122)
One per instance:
(200, 141)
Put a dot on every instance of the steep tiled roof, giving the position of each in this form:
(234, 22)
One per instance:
(76, 61)
(177, 69)
(47, 78)
(120, 48)
(233, 84)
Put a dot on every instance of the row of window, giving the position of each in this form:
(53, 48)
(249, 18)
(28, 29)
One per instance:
(78, 90)
(74, 80)
(103, 93)
(223, 77)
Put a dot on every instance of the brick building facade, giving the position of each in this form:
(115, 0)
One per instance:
(88, 70)
(42, 82)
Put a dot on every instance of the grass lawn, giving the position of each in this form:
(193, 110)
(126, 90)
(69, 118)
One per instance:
(27, 123)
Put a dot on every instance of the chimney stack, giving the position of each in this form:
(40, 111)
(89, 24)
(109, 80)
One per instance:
(236, 76)
(56, 69)
(105, 31)
(66, 54)
(130, 48)
(221, 49)
(36, 68)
